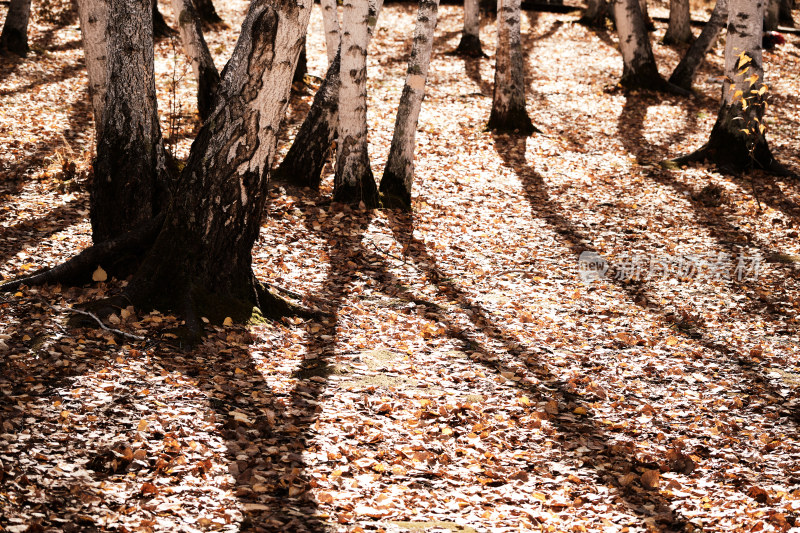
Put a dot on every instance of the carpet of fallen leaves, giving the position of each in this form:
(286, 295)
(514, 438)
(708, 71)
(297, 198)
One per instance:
(466, 378)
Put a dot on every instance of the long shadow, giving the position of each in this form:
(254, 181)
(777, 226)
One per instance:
(472, 67)
(65, 73)
(512, 151)
(33, 231)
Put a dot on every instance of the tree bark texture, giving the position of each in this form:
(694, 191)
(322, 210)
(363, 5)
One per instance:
(129, 185)
(303, 164)
(354, 181)
(679, 30)
(648, 22)
(330, 23)
(639, 66)
(684, 74)
(14, 37)
(398, 175)
(200, 263)
(470, 45)
(508, 104)
(196, 49)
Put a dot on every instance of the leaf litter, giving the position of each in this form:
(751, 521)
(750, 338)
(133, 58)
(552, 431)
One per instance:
(465, 377)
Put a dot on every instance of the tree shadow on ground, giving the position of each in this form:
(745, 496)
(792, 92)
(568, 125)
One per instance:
(512, 151)
(65, 73)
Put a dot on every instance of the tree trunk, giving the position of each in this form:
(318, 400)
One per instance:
(200, 263)
(303, 163)
(648, 22)
(639, 66)
(354, 181)
(14, 37)
(685, 72)
(129, 185)
(772, 15)
(508, 105)
(785, 13)
(679, 30)
(207, 11)
(737, 141)
(470, 45)
(595, 14)
(302, 65)
(161, 29)
(195, 47)
(330, 21)
(398, 175)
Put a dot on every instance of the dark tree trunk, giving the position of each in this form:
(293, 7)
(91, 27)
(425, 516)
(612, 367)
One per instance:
(785, 13)
(129, 186)
(161, 29)
(685, 72)
(200, 263)
(303, 164)
(14, 37)
(302, 65)
(207, 11)
(595, 15)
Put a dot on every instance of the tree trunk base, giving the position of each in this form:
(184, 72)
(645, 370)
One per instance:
(651, 81)
(673, 40)
(727, 148)
(517, 122)
(364, 191)
(161, 29)
(393, 193)
(15, 42)
(470, 46)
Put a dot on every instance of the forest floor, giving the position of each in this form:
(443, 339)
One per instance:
(469, 376)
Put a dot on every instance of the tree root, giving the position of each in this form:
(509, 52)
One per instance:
(706, 154)
(79, 268)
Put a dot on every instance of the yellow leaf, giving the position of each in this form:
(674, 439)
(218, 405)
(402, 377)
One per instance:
(228, 321)
(743, 59)
(581, 410)
(672, 341)
(737, 94)
(762, 128)
(752, 79)
(762, 90)
(99, 275)
(142, 425)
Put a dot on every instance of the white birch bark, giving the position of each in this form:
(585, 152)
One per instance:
(354, 181)
(679, 29)
(399, 172)
(639, 66)
(744, 37)
(508, 103)
(470, 44)
(14, 37)
(685, 72)
(129, 172)
(196, 49)
(330, 23)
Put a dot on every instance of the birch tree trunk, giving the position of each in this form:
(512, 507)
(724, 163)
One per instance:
(648, 22)
(354, 182)
(200, 263)
(684, 74)
(679, 30)
(470, 45)
(330, 23)
(303, 163)
(196, 49)
(207, 11)
(639, 66)
(129, 186)
(14, 37)
(508, 104)
(398, 176)
(595, 14)
(737, 141)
